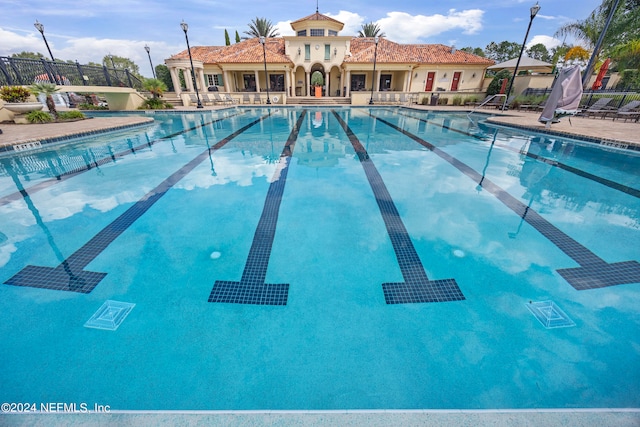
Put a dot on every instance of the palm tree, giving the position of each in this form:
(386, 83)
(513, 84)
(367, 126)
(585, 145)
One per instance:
(371, 30)
(155, 86)
(261, 27)
(48, 89)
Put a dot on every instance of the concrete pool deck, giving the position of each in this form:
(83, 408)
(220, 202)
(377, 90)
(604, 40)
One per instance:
(605, 130)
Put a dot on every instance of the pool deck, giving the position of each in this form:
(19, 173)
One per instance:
(606, 131)
(602, 131)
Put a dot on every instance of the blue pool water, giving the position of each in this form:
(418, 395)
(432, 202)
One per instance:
(321, 259)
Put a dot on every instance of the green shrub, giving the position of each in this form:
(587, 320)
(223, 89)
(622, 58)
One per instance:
(14, 93)
(39, 117)
(470, 100)
(496, 83)
(457, 100)
(443, 101)
(70, 115)
(87, 106)
(155, 104)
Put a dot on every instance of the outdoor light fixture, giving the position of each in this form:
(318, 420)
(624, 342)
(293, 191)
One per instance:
(264, 56)
(335, 51)
(375, 55)
(299, 52)
(534, 11)
(185, 28)
(40, 28)
(148, 49)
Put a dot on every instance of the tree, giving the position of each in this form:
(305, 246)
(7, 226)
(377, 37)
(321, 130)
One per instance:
(474, 50)
(227, 41)
(371, 30)
(261, 27)
(496, 84)
(539, 51)
(121, 63)
(28, 55)
(627, 56)
(503, 51)
(237, 37)
(47, 89)
(577, 53)
(163, 74)
(155, 86)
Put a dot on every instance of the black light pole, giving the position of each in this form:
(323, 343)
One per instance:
(375, 55)
(185, 28)
(534, 11)
(40, 28)
(148, 49)
(264, 56)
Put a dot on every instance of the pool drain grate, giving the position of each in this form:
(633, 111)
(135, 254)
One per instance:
(550, 315)
(110, 315)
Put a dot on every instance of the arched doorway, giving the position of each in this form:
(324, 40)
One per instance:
(320, 69)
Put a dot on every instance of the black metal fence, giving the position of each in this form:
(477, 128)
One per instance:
(618, 98)
(22, 71)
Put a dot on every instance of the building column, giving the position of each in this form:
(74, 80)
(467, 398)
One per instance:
(188, 79)
(348, 84)
(227, 82)
(287, 83)
(376, 82)
(201, 80)
(327, 79)
(257, 77)
(307, 78)
(175, 79)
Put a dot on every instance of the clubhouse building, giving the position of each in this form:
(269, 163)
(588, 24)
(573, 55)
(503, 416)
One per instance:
(350, 66)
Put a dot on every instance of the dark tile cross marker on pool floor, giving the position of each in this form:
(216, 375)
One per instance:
(594, 272)
(252, 289)
(417, 287)
(70, 275)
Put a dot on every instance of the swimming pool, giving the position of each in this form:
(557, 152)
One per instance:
(315, 258)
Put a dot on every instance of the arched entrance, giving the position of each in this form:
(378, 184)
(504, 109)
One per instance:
(320, 69)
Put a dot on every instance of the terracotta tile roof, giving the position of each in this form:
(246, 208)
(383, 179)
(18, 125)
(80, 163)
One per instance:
(362, 50)
(247, 51)
(316, 17)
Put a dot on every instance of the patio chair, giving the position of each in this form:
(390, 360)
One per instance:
(206, 100)
(230, 99)
(219, 99)
(257, 99)
(246, 99)
(630, 110)
(597, 108)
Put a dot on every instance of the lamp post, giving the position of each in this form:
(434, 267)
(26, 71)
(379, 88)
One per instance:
(264, 56)
(40, 28)
(185, 28)
(113, 64)
(534, 11)
(375, 55)
(148, 49)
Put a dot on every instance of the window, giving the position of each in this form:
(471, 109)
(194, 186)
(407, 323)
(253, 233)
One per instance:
(385, 81)
(333, 32)
(214, 80)
(276, 82)
(307, 52)
(249, 82)
(357, 82)
(318, 32)
(327, 52)
(302, 33)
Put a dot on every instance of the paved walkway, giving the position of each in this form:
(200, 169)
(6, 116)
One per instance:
(597, 130)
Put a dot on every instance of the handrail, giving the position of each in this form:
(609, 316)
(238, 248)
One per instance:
(486, 101)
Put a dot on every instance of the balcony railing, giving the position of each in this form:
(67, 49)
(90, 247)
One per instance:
(22, 71)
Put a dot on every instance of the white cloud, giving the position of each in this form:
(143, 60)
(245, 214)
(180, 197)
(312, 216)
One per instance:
(352, 22)
(548, 41)
(404, 28)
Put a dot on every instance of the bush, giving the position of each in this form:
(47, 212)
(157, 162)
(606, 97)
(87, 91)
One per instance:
(70, 115)
(39, 117)
(457, 100)
(155, 104)
(87, 106)
(496, 84)
(14, 94)
(443, 101)
(470, 100)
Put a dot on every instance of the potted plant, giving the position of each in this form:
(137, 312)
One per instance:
(317, 81)
(16, 100)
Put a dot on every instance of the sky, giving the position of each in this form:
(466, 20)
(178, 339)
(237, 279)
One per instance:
(88, 30)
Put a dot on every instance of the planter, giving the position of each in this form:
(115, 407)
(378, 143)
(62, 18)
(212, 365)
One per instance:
(23, 107)
(19, 109)
(318, 91)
